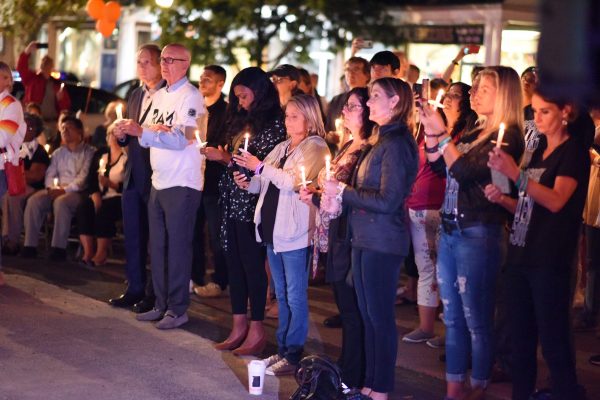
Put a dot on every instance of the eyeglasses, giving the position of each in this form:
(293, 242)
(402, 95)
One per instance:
(278, 79)
(352, 107)
(170, 60)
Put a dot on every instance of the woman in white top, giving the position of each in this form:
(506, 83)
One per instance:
(285, 224)
(97, 215)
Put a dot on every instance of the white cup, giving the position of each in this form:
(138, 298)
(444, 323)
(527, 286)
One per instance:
(256, 376)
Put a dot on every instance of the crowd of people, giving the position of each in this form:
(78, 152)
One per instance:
(479, 192)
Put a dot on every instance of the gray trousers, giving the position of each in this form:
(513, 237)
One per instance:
(13, 208)
(39, 205)
(171, 219)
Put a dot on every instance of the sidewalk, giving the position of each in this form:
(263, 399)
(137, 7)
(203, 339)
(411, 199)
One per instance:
(57, 328)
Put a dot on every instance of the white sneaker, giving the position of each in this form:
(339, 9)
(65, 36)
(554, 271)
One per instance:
(209, 290)
(272, 360)
(281, 367)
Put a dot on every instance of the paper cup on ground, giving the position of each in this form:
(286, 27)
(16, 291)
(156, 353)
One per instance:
(256, 376)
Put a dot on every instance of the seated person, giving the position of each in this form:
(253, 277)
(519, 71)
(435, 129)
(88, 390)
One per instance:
(65, 180)
(36, 161)
(98, 213)
(99, 136)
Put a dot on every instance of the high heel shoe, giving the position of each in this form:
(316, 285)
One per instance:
(230, 344)
(252, 350)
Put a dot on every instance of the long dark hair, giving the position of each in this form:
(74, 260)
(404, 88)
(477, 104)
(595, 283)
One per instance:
(467, 117)
(363, 95)
(264, 109)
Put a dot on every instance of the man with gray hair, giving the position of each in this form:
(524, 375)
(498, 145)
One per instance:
(177, 111)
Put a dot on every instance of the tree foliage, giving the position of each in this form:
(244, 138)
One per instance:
(23, 19)
(214, 29)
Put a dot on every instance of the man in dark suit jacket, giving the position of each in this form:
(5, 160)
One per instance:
(136, 188)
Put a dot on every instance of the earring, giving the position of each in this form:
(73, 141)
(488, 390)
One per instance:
(564, 122)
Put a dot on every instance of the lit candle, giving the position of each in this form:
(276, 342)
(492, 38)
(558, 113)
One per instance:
(339, 123)
(303, 176)
(328, 167)
(437, 103)
(102, 168)
(47, 148)
(500, 135)
(62, 86)
(55, 182)
(119, 111)
(246, 138)
(199, 141)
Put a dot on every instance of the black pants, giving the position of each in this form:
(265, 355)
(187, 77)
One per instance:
(352, 359)
(102, 223)
(246, 269)
(539, 303)
(209, 215)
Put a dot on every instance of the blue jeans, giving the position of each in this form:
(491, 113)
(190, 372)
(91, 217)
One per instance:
(289, 270)
(468, 264)
(375, 279)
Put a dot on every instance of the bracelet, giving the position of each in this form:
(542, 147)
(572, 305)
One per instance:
(444, 144)
(519, 179)
(445, 141)
(259, 167)
(431, 150)
(435, 135)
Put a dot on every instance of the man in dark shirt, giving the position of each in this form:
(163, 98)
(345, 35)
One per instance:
(286, 78)
(209, 214)
(356, 73)
(136, 189)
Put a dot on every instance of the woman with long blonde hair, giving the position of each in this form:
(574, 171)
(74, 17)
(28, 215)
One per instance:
(285, 224)
(471, 242)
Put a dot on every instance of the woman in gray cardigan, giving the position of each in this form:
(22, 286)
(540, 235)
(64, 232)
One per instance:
(285, 224)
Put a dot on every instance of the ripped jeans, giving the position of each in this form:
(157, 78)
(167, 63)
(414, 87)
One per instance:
(468, 265)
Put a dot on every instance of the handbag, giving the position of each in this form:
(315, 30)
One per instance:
(15, 178)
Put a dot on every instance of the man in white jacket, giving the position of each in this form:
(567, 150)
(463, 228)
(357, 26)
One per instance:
(177, 183)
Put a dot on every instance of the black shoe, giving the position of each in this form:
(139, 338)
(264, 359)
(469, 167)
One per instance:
(57, 254)
(125, 300)
(145, 305)
(29, 252)
(333, 322)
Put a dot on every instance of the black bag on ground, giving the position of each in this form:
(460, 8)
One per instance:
(318, 378)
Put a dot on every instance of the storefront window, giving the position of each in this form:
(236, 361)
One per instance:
(519, 48)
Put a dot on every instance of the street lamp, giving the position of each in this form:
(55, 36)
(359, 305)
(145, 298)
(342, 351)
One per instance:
(164, 3)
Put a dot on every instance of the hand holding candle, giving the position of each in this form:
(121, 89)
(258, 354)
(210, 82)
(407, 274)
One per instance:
(437, 103)
(55, 183)
(499, 179)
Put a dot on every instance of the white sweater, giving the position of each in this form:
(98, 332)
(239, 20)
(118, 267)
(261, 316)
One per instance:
(294, 221)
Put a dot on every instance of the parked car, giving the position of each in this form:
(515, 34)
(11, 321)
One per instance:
(90, 101)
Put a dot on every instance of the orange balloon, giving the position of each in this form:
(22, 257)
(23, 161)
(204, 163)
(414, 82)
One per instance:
(105, 27)
(95, 8)
(112, 11)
